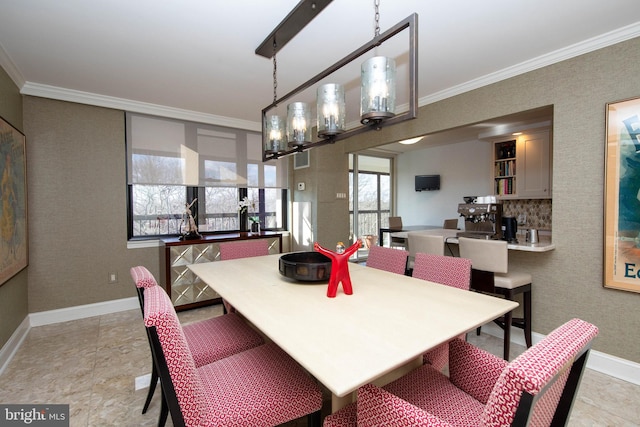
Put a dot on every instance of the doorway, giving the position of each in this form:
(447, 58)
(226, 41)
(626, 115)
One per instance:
(370, 196)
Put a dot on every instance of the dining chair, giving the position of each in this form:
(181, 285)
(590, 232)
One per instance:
(490, 273)
(261, 386)
(450, 224)
(537, 388)
(242, 249)
(208, 340)
(395, 223)
(420, 242)
(450, 271)
(388, 259)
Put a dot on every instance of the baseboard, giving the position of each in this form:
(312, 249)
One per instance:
(82, 311)
(616, 367)
(10, 348)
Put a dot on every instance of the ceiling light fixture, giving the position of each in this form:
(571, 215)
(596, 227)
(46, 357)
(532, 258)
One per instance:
(410, 140)
(377, 96)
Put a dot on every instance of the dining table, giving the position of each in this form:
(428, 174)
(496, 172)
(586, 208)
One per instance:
(374, 335)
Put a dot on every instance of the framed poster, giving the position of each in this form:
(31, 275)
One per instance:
(622, 196)
(13, 191)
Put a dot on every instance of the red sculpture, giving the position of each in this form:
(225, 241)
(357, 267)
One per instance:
(339, 268)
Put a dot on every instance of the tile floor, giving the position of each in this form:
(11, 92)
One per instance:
(91, 364)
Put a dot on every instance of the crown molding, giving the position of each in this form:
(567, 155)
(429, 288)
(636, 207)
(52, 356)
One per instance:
(10, 67)
(63, 94)
(604, 40)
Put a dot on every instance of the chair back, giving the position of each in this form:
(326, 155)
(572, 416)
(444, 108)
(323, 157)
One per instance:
(388, 259)
(425, 243)
(450, 224)
(395, 222)
(142, 278)
(244, 249)
(450, 271)
(180, 382)
(485, 255)
(539, 386)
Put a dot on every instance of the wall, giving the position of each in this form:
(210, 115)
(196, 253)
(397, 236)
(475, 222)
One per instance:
(13, 293)
(463, 173)
(77, 205)
(567, 281)
(323, 180)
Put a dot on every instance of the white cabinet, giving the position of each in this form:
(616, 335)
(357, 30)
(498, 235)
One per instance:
(534, 176)
(522, 166)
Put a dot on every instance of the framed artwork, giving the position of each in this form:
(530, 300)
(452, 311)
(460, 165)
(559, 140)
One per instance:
(622, 196)
(13, 222)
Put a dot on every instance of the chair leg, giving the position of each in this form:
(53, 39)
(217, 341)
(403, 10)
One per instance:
(164, 411)
(527, 318)
(152, 387)
(507, 334)
(314, 419)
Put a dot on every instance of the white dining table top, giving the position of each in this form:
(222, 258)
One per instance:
(350, 340)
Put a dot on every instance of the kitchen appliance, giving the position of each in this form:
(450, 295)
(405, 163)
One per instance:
(509, 229)
(481, 220)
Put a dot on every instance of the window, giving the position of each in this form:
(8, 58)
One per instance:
(170, 163)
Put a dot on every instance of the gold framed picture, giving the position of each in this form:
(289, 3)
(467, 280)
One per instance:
(13, 221)
(622, 196)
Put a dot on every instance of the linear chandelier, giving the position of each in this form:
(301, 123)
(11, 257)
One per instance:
(285, 136)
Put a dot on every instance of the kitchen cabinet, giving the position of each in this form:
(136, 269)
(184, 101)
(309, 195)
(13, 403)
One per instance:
(522, 166)
(185, 288)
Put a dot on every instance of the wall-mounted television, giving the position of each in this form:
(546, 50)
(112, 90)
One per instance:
(427, 182)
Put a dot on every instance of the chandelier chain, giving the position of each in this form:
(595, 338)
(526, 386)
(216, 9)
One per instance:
(275, 74)
(376, 4)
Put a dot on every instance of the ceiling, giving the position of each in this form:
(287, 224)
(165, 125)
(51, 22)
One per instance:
(195, 59)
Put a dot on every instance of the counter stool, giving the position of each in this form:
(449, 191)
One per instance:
(425, 244)
(490, 260)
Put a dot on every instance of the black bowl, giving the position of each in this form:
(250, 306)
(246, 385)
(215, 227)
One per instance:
(305, 266)
(469, 199)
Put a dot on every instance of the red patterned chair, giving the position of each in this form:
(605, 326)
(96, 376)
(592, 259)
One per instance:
(450, 271)
(383, 258)
(262, 386)
(537, 388)
(242, 249)
(208, 340)
(420, 242)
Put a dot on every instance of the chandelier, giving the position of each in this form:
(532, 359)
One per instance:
(292, 134)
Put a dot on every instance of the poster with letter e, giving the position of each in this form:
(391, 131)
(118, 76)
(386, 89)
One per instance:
(622, 196)
(13, 197)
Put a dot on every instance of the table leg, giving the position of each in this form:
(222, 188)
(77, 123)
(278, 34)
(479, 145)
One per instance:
(338, 403)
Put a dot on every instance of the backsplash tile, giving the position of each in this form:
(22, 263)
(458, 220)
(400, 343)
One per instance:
(537, 211)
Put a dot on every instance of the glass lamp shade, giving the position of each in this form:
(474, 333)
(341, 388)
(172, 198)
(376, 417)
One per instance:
(331, 110)
(378, 89)
(298, 123)
(274, 135)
